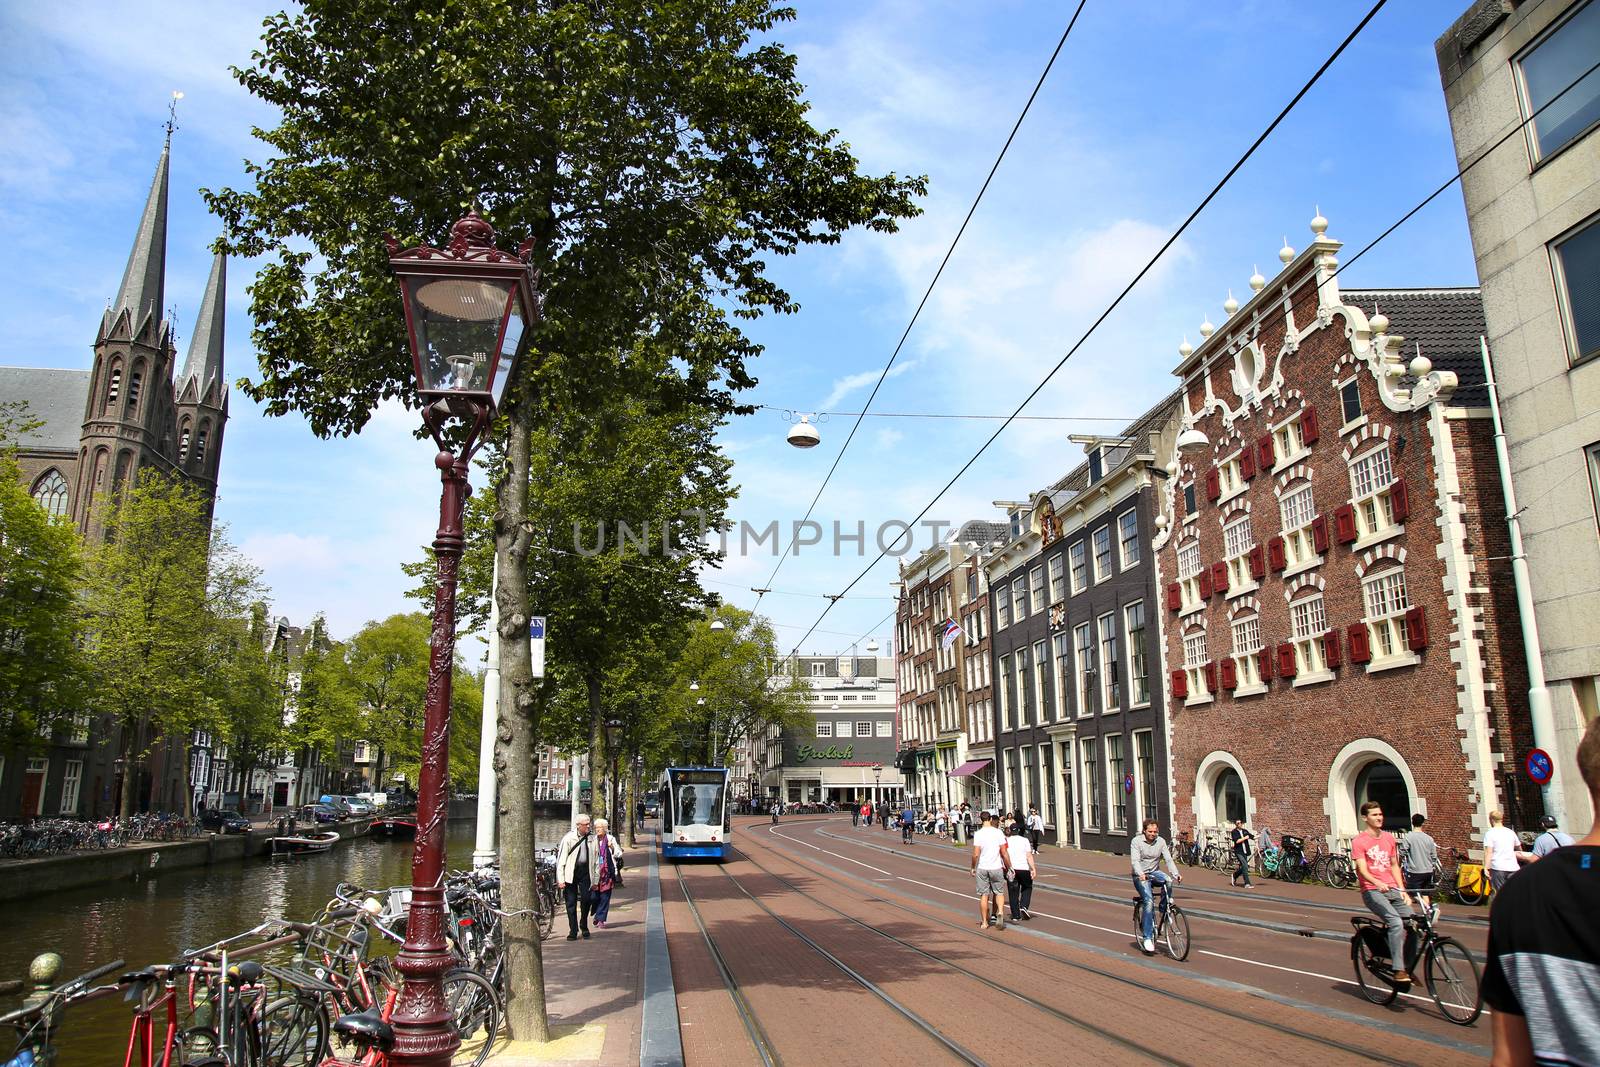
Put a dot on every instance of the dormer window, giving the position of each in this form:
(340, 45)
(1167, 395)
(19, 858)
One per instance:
(1018, 522)
(1096, 466)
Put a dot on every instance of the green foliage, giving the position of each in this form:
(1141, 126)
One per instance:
(41, 666)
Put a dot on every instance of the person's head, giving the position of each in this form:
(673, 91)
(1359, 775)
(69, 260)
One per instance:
(1151, 830)
(601, 826)
(1547, 823)
(1495, 818)
(583, 824)
(1589, 760)
(1372, 812)
(1239, 823)
(1418, 821)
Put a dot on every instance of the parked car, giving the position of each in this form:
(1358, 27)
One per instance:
(377, 800)
(336, 803)
(358, 806)
(225, 822)
(320, 813)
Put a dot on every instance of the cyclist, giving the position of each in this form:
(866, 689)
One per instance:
(1146, 851)
(1376, 853)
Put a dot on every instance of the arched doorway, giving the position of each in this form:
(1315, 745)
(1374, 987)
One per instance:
(1381, 781)
(1227, 796)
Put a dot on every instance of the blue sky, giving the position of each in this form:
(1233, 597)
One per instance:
(1147, 106)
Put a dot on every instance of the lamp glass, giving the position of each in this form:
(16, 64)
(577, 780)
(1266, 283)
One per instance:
(464, 332)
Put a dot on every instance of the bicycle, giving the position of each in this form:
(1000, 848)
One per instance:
(35, 1023)
(1172, 925)
(1450, 975)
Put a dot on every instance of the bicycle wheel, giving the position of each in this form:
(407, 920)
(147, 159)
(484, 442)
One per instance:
(1453, 981)
(1138, 921)
(476, 1010)
(1296, 869)
(294, 1032)
(1175, 933)
(1374, 988)
(1341, 872)
(1472, 893)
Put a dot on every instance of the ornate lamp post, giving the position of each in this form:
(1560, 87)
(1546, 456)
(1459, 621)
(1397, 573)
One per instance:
(614, 746)
(470, 309)
(877, 783)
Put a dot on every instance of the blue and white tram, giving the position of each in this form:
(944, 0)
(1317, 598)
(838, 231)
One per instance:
(694, 813)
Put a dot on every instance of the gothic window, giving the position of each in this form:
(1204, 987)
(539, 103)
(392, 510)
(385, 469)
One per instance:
(134, 381)
(51, 493)
(115, 387)
(183, 444)
(200, 444)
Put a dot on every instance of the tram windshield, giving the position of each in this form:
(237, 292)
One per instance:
(700, 797)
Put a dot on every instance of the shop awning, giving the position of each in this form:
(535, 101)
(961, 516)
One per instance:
(970, 767)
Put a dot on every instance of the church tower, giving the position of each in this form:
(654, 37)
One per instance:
(128, 419)
(201, 391)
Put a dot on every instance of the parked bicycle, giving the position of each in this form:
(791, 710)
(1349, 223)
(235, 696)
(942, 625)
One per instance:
(1444, 963)
(36, 1024)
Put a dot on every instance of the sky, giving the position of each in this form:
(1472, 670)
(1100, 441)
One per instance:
(1147, 106)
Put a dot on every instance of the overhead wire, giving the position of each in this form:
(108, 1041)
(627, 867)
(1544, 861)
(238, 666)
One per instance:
(926, 294)
(958, 415)
(1115, 303)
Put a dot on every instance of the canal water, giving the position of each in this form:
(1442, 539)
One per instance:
(152, 920)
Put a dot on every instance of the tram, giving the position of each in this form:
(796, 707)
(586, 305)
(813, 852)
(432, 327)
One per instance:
(694, 813)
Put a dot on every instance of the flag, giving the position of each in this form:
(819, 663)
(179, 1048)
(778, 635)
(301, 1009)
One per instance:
(948, 636)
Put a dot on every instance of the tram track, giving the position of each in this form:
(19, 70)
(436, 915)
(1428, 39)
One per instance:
(1362, 1052)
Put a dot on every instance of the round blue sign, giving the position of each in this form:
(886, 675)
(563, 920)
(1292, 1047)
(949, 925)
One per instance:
(1127, 783)
(1540, 767)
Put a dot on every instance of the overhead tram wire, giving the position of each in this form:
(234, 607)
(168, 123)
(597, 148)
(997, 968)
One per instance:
(1137, 278)
(958, 415)
(926, 294)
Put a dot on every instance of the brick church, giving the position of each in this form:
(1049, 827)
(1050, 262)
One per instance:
(133, 409)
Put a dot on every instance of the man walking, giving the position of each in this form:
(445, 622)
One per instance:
(1035, 827)
(989, 868)
(1542, 978)
(855, 815)
(1146, 852)
(1500, 848)
(1243, 845)
(1549, 838)
(574, 864)
(1419, 861)
(1378, 876)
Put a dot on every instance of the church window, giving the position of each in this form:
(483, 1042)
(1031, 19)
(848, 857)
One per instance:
(183, 444)
(134, 381)
(200, 445)
(51, 493)
(116, 385)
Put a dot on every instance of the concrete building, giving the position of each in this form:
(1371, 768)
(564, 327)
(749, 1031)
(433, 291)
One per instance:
(847, 752)
(1533, 208)
(1337, 626)
(1080, 722)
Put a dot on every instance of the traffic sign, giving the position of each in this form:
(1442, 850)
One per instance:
(1127, 783)
(1540, 767)
(536, 643)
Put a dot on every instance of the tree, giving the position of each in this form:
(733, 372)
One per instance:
(656, 151)
(248, 688)
(328, 705)
(157, 594)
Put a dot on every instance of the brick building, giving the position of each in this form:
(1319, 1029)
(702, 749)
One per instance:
(1336, 626)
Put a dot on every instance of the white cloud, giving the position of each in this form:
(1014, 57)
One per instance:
(272, 551)
(843, 387)
(888, 438)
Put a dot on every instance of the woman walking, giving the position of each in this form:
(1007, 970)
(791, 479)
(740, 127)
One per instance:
(608, 855)
(1019, 878)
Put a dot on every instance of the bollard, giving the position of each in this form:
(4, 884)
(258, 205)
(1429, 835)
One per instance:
(42, 975)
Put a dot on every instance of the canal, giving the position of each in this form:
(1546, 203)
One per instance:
(152, 920)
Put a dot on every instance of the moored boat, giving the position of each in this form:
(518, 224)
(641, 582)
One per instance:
(303, 844)
(396, 826)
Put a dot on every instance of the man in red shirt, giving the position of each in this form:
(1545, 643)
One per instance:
(1377, 856)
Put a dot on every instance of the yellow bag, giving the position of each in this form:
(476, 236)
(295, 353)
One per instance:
(1470, 876)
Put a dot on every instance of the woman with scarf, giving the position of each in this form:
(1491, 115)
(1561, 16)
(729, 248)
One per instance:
(608, 868)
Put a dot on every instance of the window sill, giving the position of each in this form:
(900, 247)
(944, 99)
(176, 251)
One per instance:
(1301, 568)
(1139, 706)
(1231, 495)
(1249, 691)
(1190, 609)
(1243, 589)
(1313, 678)
(1353, 425)
(1193, 702)
(1288, 461)
(1388, 533)
(1389, 663)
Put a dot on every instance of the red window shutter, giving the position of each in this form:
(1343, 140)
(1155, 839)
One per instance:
(1211, 677)
(1174, 596)
(1205, 584)
(1309, 430)
(1265, 456)
(1417, 629)
(1258, 563)
(1247, 464)
(1344, 523)
(1180, 684)
(1230, 674)
(1330, 648)
(1360, 643)
(1264, 664)
(1276, 555)
(1319, 533)
(1286, 667)
(1219, 577)
(1213, 484)
(1399, 500)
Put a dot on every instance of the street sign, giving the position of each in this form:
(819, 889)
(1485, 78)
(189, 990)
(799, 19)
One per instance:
(1540, 767)
(1127, 784)
(536, 643)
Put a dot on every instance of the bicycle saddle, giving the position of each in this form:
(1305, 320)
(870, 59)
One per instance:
(366, 1027)
(247, 973)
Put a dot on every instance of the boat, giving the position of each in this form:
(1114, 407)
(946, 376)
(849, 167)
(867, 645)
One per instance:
(303, 844)
(396, 826)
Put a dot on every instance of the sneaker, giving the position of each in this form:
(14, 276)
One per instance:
(1026, 914)
(1433, 915)
(1148, 945)
(586, 935)
(1402, 978)
(572, 936)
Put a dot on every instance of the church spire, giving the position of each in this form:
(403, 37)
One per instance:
(143, 282)
(203, 365)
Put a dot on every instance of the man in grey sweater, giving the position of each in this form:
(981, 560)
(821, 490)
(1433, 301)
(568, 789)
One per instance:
(1419, 861)
(1146, 852)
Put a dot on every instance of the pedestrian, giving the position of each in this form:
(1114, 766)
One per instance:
(777, 809)
(966, 821)
(866, 814)
(1035, 827)
(1419, 861)
(908, 824)
(1376, 853)
(989, 868)
(608, 868)
(1544, 947)
(1549, 838)
(1500, 848)
(1019, 876)
(574, 862)
(1243, 845)
(940, 821)
(855, 815)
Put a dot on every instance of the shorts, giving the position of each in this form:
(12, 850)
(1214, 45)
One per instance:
(991, 882)
(1421, 883)
(1499, 878)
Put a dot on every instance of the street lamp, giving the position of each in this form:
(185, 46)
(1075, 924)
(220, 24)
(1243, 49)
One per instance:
(877, 782)
(614, 746)
(469, 312)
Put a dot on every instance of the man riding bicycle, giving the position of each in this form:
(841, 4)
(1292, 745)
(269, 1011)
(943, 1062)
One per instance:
(1147, 851)
(1376, 853)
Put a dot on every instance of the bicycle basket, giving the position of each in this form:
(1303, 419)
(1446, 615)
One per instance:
(1291, 843)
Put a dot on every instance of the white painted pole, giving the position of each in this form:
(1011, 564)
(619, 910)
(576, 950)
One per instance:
(576, 764)
(484, 853)
(1539, 708)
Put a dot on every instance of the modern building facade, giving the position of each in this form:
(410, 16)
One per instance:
(847, 753)
(1336, 624)
(1533, 209)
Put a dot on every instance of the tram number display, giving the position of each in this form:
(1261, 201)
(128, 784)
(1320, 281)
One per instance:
(699, 777)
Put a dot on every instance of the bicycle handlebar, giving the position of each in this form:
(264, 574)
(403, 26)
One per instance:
(66, 989)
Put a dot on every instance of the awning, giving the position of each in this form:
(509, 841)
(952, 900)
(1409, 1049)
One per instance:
(970, 767)
(906, 760)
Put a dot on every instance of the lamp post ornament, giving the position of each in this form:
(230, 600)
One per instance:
(470, 309)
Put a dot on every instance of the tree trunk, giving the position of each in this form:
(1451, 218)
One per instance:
(517, 732)
(599, 765)
(129, 774)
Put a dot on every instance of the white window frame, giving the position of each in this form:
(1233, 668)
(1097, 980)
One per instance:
(1190, 568)
(1289, 441)
(71, 786)
(1041, 677)
(1238, 538)
(1110, 663)
(1126, 558)
(1019, 598)
(883, 729)
(1245, 632)
(1386, 600)
(1061, 660)
(1091, 776)
(1308, 622)
(1535, 153)
(1360, 417)
(1296, 510)
(1058, 577)
(1024, 677)
(1118, 822)
(1372, 480)
(1558, 267)
(1003, 692)
(824, 729)
(1194, 665)
(1102, 560)
(1138, 661)
(1078, 565)
(863, 728)
(1036, 589)
(1082, 654)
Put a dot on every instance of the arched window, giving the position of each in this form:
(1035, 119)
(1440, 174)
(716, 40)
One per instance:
(114, 387)
(183, 444)
(1380, 780)
(134, 381)
(1227, 796)
(51, 493)
(200, 443)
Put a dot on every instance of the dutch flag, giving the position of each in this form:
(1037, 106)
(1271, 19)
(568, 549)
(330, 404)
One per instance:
(949, 635)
